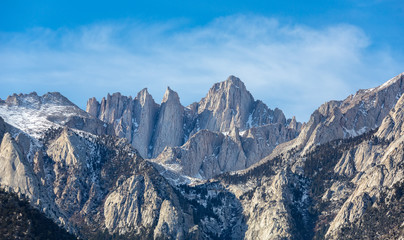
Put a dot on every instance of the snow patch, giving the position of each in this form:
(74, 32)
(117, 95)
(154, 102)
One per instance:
(35, 121)
(249, 123)
(353, 132)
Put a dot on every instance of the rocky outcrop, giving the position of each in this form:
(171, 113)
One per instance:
(207, 154)
(259, 142)
(351, 117)
(3, 128)
(392, 126)
(376, 168)
(267, 216)
(15, 171)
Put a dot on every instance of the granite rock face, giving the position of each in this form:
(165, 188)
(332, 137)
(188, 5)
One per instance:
(227, 105)
(207, 154)
(353, 116)
(227, 108)
(133, 119)
(15, 171)
(341, 178)
(376, 170)
(169, 131)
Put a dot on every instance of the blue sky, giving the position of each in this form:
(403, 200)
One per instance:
(294, 55)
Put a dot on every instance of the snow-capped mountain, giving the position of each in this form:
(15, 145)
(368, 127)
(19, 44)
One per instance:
(259, 176)
(35, 114)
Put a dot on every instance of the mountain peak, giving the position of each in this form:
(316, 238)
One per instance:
(230, 83)
(233, 79)
(143, 96)
(56, 98)
(143, 92)
(170, 95)
(233, 91)
(32, 100)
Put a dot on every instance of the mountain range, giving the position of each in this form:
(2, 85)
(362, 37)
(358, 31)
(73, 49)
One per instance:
(226, 167)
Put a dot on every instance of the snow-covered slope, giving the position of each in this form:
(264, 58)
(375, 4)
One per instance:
(35, 114)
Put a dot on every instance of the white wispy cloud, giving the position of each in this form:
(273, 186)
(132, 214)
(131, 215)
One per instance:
(290, 66)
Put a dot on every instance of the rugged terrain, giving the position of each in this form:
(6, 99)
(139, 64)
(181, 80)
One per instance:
(225, 131)
(226, 167)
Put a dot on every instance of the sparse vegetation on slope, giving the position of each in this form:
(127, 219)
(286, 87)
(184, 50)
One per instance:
(19, 220)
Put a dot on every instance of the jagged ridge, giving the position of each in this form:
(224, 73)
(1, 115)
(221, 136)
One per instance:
(323, 184)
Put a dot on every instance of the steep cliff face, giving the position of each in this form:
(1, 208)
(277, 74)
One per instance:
(169, 130)
(228, 105)
(205, 155)
(133, 119)
(227, 108)
(15, 171)
(146, 110)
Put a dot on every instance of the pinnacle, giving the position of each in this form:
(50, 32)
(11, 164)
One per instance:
(232, 80)
(144, 91)
(170, 95)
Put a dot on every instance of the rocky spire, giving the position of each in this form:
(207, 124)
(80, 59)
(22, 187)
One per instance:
(169, 129)
(93, 107)
(144, 120)
(114, 106)
(295, 125)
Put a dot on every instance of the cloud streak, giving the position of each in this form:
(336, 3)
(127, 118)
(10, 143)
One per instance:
(290, 66)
